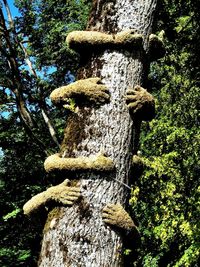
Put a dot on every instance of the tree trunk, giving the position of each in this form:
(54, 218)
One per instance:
(77, 236)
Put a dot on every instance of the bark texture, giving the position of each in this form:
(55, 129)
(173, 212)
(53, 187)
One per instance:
(77, 236)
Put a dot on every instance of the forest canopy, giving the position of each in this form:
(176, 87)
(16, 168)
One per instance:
(34, 59)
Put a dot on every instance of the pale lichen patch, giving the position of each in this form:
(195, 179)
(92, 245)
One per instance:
(93, 163)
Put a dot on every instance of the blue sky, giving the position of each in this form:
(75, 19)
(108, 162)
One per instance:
(13, 9)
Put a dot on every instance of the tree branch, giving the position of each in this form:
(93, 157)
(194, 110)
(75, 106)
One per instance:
(16, 88)
(45, 116)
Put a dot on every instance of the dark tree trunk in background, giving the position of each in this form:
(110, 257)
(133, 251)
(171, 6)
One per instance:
(77, 236)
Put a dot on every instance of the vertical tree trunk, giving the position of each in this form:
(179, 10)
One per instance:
(77, 236)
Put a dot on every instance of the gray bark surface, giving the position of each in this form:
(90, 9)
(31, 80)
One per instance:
(78, 236)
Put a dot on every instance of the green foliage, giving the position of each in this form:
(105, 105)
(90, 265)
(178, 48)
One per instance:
(167, 205)
(19, 257)
(11, 214)
(46, 23)
(42, 27)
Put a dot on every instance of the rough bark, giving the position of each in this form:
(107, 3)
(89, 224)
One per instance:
(77, 236)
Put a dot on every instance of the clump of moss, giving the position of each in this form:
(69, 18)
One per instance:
(88, 38)
(62, 193)
(128, 38)
(140, 103)
(156, 47)
(89, 90)
(137, 165)
(74, 131)
(137, 161)
(54, 214)
(35, 203)
(92, 163)
(115, 214)
(81, 40)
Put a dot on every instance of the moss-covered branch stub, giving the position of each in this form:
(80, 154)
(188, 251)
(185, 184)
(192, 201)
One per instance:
(63, 193)
(95, 41)
(156, 48)
(115, 215)
(137, 166)
(95, 163)
(141, 103)
(83, 92)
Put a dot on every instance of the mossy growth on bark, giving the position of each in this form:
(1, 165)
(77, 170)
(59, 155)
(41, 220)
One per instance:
(141, 104)
(156, 47)
(52, 218)
(115, 215)
(96, 163)
(83, 92)
(63, 193)
(74, 131)
(93, 40)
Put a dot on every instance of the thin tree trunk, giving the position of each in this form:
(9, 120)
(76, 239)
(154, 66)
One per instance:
(77, 236)
(20, 102)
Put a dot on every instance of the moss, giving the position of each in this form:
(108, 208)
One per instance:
(63, 193)
(137, 166)
(84, 91)
(137, 161)
(53, 215)
(128, 38)
(114, 214)
(74, 132)
(92, 163)
(88, 38)
(140, 103)
(81, 40)
(101, 14)
(35, 203)
(156, 47)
